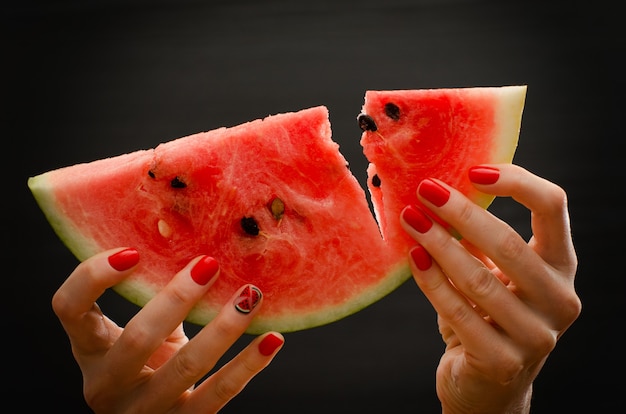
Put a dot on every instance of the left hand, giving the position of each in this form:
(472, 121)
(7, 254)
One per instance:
(150, 365)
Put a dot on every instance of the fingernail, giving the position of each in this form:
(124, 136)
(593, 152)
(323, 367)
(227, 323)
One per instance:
(247, 300)
(433, 192)
(269, 344)
(421, 257)
(483, 174)
(203, 271)
(417, 219)
(124, 259)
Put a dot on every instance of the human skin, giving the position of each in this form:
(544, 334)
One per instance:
(502, 303)
(150, 366)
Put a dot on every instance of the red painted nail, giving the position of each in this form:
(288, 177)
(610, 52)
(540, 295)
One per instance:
(417, 219)
(124, 259)
(433, 192)
(421, 257)
(204, 270)
(248, 299)
(269, 344)
(483, 175)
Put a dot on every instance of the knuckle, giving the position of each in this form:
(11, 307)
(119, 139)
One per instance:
(61, 304)
(556, 197)
(440, 241)
(480, 282)
(466, 212)
(226, 388)
(458, 314)
(249, 367)
(507, 367)
(178, 296)
(544, 343)
(538, 342)
(134, 337)
(89, 269)
(554, 200)
(222, 328)
(511, 245)
(186, 366)
(571, 307)
(503, 365)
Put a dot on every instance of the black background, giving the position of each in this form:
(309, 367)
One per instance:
(87, 80)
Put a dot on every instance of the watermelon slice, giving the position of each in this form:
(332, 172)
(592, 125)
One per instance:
(275, 202)
(414, 134)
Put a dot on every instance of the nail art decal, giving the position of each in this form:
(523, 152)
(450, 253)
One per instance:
(248, 299)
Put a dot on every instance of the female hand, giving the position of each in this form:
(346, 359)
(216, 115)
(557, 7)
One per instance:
(502, 303)
(150, 366)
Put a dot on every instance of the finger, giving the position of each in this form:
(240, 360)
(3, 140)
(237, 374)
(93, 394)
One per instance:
(150, 327)
(463, 328)
(547, 202)
(474, 251)
(539, 284)
(228, 381)
(202, 352)
(496, 239)
(469, 276)
(74, 302)
(455, 313)
(171, 345)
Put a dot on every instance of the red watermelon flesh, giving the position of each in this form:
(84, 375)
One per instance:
(436, 133)
(275, 202)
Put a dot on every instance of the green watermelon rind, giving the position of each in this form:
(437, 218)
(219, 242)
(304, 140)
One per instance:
(82, 247)
(201, 315)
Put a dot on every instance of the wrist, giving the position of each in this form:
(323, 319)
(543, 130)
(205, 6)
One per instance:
(520, 405)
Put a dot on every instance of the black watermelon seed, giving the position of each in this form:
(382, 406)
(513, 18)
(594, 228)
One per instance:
(392, 111)
(177, 183)
(250, 226)
(366, 123)
(376, 180)
(151, 174)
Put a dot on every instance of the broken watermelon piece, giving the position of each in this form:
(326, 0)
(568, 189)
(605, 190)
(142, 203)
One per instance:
(410, 135)
(274, 201)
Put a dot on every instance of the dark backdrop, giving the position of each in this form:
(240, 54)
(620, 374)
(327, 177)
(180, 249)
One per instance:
(87, 80)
